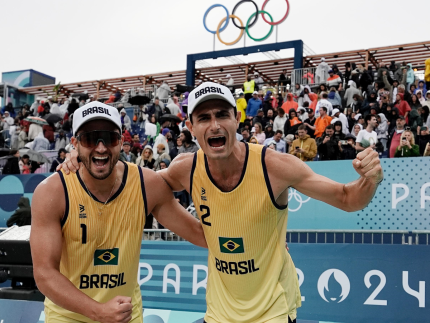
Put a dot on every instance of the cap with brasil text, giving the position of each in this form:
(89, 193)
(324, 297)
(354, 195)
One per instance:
(95, 110)
(209, 91)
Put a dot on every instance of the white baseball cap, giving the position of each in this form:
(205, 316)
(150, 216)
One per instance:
(209, 91)
(95, 110)
(334, 111)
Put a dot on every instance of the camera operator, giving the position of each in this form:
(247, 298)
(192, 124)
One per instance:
(328, 147)
(347, 147)
(407, 147)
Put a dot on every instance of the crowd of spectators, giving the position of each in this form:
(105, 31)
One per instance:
(334, 116)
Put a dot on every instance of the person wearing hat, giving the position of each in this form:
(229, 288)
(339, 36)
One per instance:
(337, 114)
(333, 79)
(254, 104)
(230, 80)
(92, 231)
(126, 155)
(241, 106)
(225, 171)
(6, 121)
(125, 119)
(164, 164)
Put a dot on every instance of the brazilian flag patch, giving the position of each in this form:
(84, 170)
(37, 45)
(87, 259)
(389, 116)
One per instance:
(231, 245)
(106, 257)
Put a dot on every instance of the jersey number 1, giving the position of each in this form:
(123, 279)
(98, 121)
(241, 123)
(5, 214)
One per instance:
(204, 216)
(84, 233)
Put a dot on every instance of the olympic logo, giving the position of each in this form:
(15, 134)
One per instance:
(298, 198)
(251, 21)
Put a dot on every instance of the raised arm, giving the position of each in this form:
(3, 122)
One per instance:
(171, 214)
(349, 197)
(47, 211)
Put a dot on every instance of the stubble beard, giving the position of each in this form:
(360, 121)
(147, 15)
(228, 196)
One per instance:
(87, 163)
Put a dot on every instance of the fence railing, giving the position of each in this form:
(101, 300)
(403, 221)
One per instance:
(327, 236)
(304, 76)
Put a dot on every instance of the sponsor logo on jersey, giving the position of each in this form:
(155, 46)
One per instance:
(101, 281)
(204, 198)
(106, 257)
(82, 215)
(236, 268)
(231, 245)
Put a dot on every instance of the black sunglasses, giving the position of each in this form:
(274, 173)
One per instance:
(91, 139)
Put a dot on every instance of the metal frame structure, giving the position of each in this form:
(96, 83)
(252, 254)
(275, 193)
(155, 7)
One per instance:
(297, 45)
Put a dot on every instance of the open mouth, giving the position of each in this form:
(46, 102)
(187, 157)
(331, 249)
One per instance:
(100, 161)
(217, 142)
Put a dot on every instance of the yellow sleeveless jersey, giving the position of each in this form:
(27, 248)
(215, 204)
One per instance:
(100, 254)
(251, 278)
(249, 86)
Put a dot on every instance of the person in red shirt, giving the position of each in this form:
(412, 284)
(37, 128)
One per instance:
(402, 105)
(395, 135)
(289, 104)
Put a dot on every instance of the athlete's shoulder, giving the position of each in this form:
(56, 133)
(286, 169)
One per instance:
(177, 175)
(49, 195)
(288, 165)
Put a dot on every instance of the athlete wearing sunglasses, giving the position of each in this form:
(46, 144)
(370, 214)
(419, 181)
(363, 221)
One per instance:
(87, 227)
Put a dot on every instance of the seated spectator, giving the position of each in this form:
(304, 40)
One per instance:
(277, 139)
(259, 118)
(62, 141)
(126, 134)
(146, 160)
(126, 155)
(25, 165)
(334, 98)
(369, 102)
(253, 140)
(347, 147)
(22, 215)
(280, 119)
(423, 138)
(165, 163)
(415, 120)
(188, 145)
(292, 123)
(350, 92)
(302, 114)
(416, 103)
(245, 135)
(338, 134)
(338, 115)
(322, 122)
(328, 146)
(259, 133)
(407, 146)
(289, 103)
(382, 130)
(269, 118)
(304, 147)
(268, 130)
(59, 160)
(367, 137)
(162, 155)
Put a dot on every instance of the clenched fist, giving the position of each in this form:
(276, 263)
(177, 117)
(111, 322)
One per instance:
(117, 310)
(368, 165)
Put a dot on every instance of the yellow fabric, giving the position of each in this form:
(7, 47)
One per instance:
(241, 106)
(308, 145)
(427, 72)
(119, 226)
(257, 283)
(249, 87)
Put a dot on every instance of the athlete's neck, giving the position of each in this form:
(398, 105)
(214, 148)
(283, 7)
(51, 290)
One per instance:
(101, 189)
(227, 172)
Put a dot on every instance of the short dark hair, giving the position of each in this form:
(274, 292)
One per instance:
(305, 104)
(279, 131)
(244, 129)
(301, 127)
(13, 152)
(325, 95)
(324, 108)
(330, 126)
(369, 117)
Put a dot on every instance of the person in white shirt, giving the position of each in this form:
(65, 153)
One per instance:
(6, 121)
(279, 122)
(367, 137)
(324, 102)
(230, 80)
(337, 115)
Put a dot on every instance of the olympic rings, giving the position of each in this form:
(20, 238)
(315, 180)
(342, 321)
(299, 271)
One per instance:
(206, 13)
(278, 22)
(249, 23)
(256, 13)
(219, 30)
(297, 197)
(271, 26)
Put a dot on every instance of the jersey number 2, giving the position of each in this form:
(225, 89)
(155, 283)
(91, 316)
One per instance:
(206, 215)
(84, 233)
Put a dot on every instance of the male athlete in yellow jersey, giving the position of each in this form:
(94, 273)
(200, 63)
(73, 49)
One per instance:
(240, 192)
(87, 228)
